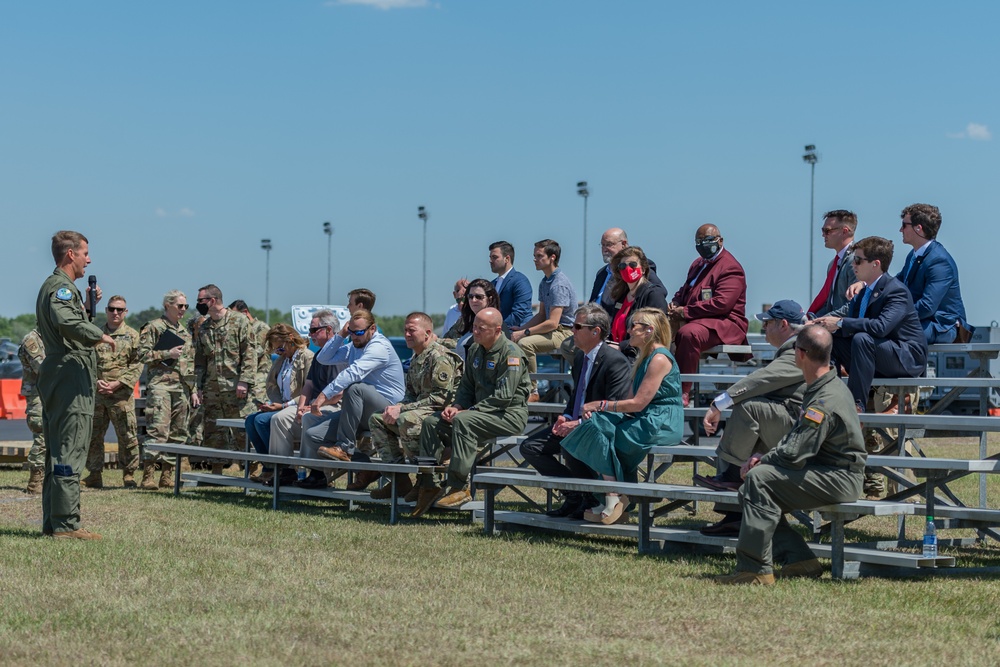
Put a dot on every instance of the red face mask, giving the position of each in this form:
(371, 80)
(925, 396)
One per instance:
(631, 275)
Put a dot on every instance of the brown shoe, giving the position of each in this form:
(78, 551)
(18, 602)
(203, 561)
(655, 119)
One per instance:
(256, 470)
(149, 476)
(403, 487)
(533, 397)
(809, 568)
(93, 481)
(334, 453)
(363, 480)
(454, 500)
(426, 498)
(128, 480)
(35, 480)
(185, 464)
(166, 477)
(745, 579)
(412, 494)
(217, 468)
(78, 534)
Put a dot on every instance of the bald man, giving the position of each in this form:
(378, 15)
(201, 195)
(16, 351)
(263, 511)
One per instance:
(492, 401)
(710, 307)
(612, 241)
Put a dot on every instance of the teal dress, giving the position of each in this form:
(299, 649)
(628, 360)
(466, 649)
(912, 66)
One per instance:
(615, 443)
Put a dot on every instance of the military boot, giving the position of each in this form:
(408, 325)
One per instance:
(93, 481)
(403, 487)
(128, 479)
(149, 476)
(35, 480)
(167, 477)
(185, 464)
(217, 468)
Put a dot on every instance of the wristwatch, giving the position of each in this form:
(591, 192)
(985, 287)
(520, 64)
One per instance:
(527, 332)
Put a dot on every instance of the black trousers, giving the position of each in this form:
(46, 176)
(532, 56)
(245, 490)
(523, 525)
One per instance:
(866, 357)
(542, 450)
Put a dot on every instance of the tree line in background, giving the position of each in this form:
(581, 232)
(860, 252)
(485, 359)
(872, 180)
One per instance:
(15, 328)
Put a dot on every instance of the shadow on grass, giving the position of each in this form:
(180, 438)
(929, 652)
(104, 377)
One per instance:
(25, 533)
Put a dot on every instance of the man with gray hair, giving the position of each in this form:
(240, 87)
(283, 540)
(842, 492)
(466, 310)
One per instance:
(600, 372)
(765, 407)
(612, 241)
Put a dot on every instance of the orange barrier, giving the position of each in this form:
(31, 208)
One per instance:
(12, 404)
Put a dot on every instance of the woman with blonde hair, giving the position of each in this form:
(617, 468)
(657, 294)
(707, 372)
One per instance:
(615, 436)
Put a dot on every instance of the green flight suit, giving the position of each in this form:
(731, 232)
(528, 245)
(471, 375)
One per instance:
(820, 462)
(66, 383)
(32, 353)
(493, 395)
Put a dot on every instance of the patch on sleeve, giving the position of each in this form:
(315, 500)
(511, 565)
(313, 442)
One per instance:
(813, 415)
(64, 294)
(444, 376)
(513, 361)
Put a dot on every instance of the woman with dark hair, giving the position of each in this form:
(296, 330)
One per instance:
(284, 385)
(631, 290)
(478, 295)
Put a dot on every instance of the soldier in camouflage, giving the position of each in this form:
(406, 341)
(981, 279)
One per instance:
(118, 370)
(31, 353)
(196, 414)
(225, 363)
(258, 330)
(431, 382)
(169, 385)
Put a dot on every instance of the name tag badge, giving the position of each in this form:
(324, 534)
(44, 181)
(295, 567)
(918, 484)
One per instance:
(706, 293)
(491, 365)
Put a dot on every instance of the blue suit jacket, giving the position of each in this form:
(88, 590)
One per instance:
(515, 298)
(933, 284)
(889, 316)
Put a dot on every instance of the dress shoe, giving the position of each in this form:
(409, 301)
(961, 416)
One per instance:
(723, 528)
(454, 500)
(809, 568)
(334, 453)
(716, 483)
(363, 480)
(403, 487)
(412, 495)
(533, 397)
(78, 534)
(569, 506)
(315, 480)
(288, 477)
(745, 579)
(426, 498)
(93, 481)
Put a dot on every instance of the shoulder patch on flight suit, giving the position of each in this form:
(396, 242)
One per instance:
(513, 361)
(444, 376)
(814, 416)
(64, 294)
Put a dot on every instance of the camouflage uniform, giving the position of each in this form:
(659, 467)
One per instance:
(120, 364)
(258, 330)
(196, 415)
(169, 383)
(431, 382)
(225, 354)
(31, 353)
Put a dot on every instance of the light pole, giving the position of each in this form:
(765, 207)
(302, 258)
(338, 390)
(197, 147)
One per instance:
(422, 214)
(812, 158)
(328, 230)
(265, 245)
(584, 191)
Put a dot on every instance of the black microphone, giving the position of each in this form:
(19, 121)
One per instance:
(92, 297)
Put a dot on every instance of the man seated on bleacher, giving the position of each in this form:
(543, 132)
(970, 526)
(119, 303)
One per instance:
(492, 401)
(877, 333)
(765, 407)
(600, 372)
(431, 381)
(820, 462)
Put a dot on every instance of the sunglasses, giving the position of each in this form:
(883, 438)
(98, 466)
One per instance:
(206, 299)
(359, 332)
(477, 297)
(313, 330)
(857, 260)
(625, 265)
(181, 306)
(577, 327)
(826, 232)
(112, 309)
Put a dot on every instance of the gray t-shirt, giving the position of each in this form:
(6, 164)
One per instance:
(557, 291)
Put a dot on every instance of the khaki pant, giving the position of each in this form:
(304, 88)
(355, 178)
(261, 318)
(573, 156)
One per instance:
(546, 343)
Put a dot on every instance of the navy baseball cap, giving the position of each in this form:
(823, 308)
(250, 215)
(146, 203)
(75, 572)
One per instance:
(786, 309)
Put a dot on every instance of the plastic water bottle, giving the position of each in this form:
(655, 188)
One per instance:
(301, 473)
(930, 538)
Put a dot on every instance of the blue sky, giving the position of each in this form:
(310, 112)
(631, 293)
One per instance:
(176, 135)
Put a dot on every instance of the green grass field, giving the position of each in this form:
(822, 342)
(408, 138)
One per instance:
(216, 578)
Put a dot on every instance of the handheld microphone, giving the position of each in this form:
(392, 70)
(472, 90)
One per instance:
(92, 296)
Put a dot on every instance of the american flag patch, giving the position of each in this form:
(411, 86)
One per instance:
(513, 361)
(814, 415)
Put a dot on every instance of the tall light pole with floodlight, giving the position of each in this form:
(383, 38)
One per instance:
(328, 230)
(584, 191)
(265, 245)
(422, 214)
(811, 158)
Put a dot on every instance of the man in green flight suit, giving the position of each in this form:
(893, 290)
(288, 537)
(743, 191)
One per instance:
(66, 383)
(492, 401)
(820, 462)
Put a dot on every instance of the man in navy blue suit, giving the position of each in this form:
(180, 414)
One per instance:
(877, 332)
(931, 275)
(512, 286)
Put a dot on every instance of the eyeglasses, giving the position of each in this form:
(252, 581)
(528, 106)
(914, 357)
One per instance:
(477, 297)
(206, 299)
(827, 231)
(359, 332)
(857, 260)
(112, 309)
(313, 330)
(625, 265)
(577, 326)
(181, 306)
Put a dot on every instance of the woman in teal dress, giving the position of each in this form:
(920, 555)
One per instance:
(615, 436)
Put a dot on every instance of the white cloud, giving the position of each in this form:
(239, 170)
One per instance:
(974, 131)
(382, 4)
(186, 212)
(160, 213)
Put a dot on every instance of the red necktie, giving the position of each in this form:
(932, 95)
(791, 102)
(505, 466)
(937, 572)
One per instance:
(820, 299)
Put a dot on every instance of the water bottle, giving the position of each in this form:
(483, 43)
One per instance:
(930, 539)
(301, 473)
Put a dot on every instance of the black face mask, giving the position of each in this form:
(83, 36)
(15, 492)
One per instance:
(202, 308)
(708, 246)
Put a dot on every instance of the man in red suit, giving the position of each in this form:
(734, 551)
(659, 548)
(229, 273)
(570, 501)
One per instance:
(710, 307)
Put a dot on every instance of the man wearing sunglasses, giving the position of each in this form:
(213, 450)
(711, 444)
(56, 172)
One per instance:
(877, 333)
(838, 234)
(118, 369)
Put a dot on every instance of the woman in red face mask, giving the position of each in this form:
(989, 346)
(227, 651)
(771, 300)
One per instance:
(631, 290)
